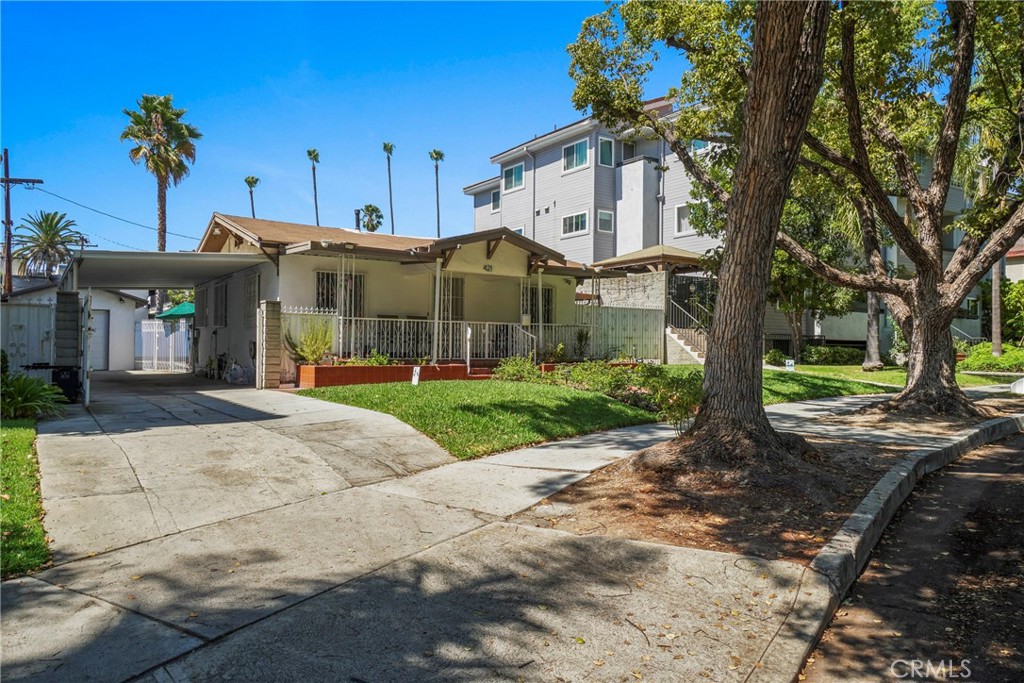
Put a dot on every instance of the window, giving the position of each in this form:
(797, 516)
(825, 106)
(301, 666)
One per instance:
(605, 221)
(201, 317)
(575, 156)
(220, 305)
(326, 295)
(606, 152)
(574, 224)
(520, 230)
(495, 200)
(972, 307)
(513, 177)
(529, 303)
(698, 145)
(683, 221)
(326, 298)
(453, 298)
(252, 295)
(628, 150)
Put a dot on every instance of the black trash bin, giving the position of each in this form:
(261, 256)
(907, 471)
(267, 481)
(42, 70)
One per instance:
(66, 379)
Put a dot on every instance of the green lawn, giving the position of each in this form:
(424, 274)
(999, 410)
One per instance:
(474, 418)
(896, 376)
(24, 541)
(783, 387)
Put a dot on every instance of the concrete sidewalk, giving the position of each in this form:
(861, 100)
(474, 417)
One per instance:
(417, 578)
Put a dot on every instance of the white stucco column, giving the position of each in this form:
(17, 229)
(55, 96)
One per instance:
(540, 310)
(437, 311)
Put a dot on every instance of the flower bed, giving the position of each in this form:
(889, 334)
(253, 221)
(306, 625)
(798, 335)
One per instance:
(312, 376)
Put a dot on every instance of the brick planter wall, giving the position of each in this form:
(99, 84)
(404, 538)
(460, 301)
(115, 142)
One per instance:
(311, 376)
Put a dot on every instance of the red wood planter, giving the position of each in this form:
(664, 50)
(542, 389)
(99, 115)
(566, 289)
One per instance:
(311, 376)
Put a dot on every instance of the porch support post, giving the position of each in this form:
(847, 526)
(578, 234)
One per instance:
(437, 312)
(268, 346)
(540, 310)
(339, 288)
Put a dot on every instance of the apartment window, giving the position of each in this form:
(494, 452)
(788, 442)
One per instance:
(252, 295)
(520, 230)
(683, 221)
(972, 307)
(606, 152)
(605, 221)
(575, 156)
(513, 177)
(698, 145)
(628, 150)
(574, 224)
(220, 305)
(495, 200)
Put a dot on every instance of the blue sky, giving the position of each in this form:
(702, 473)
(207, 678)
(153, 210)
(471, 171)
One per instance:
(264, 82)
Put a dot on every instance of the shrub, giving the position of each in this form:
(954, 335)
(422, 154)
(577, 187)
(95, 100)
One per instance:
(596, 375)
(980, 359)
(962, 346)
(899, 342)
(315, 341)
(775, 358)
(832, 355)
(377, 358)
(517, 369)
(4, 366)
(29, 397)
(582, 345)
(678, 396)
(554, 355)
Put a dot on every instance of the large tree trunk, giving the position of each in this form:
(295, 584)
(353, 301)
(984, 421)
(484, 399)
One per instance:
(731, 428)
(872, 353)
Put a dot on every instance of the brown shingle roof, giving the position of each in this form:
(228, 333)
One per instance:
(279, 233)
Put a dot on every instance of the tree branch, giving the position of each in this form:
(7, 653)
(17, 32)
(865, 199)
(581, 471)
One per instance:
(998, 244)
(680, 43)
(681, 150)
(868, 283)
(964, 14)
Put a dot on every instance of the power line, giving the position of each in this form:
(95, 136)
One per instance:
(120, 244)
(110, 215)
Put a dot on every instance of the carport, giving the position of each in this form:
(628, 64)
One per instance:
(128, 270)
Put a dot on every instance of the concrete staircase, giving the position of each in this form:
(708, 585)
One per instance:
(683, 346)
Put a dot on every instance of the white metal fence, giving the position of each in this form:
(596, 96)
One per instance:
(163, 345)
(27, 334)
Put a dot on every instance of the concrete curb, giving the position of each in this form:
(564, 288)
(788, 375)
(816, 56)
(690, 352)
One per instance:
(843, 558)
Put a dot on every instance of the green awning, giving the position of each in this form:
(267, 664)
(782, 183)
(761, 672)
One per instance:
(182, 310)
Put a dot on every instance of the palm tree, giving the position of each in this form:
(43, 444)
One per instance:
(165, 144)
(389, 149)
(437, 156)
(252, 181)
(314, 158)
(44, 242)
(372, 218)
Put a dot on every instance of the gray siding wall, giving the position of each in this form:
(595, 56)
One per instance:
(563, 194)
(605, 194)
(483, 218)
(678, 185)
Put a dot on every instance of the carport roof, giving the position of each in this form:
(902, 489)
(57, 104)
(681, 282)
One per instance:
(157, 270)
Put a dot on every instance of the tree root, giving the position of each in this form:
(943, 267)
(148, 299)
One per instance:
(929, 403)
(714, 457)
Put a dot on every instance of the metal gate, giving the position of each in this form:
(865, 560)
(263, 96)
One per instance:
(163, 345)
(27, 333)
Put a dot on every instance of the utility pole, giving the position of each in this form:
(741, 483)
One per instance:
(8, 223)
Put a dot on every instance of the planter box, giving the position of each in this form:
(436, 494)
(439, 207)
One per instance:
(312, 376)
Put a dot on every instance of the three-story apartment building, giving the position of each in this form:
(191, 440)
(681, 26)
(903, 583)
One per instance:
(600, 198)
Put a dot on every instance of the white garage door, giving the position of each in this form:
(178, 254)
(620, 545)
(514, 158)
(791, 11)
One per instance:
(99, 343)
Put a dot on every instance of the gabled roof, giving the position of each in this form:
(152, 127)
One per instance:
(659, 254)
(261, 232)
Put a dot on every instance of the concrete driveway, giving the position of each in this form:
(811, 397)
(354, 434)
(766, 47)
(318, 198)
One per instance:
(158, 454)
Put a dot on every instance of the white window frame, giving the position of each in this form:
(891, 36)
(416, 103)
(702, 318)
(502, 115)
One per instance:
(521, 230)
(577, 233)
(580, 167)
(611, 142)
(495, 192)
(522, 182)
(675, 221)
(610, 215)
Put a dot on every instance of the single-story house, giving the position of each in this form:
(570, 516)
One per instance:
(412, 298)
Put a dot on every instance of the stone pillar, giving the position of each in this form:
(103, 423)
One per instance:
(268, 345)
